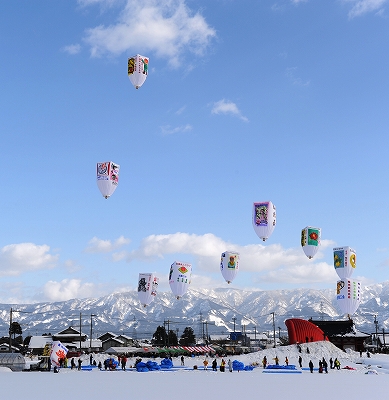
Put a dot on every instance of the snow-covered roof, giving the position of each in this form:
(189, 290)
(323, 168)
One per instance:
(114, 339)
(125, 337)
(121, 350)
(39, 342)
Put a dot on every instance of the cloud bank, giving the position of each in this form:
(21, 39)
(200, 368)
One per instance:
(16, 259)
(227, 107)
(272, 263)
(167, 28)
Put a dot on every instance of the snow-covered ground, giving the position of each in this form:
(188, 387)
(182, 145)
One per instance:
(191, 384)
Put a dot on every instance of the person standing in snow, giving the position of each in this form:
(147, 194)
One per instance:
(300, 362)
(229, 365)
(72, 363)
(311, 366)
(124, 362)
(222, 366)
(276, 360)
(331, 363)
(182, 360)
(79, 364)
(264, 362)
(91, 360)
(286, 361)
(325, 365)
(205, 363)
(214, 365)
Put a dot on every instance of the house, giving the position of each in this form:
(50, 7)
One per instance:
(110, 339)
(4, 348)
(343, 334)
(69, 335)
(38, 343)
(112, 342)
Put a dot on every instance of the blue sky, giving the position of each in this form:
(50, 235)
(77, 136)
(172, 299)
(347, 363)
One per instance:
(245, 101)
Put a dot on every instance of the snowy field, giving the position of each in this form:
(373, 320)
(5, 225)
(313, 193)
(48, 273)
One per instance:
(369, 377)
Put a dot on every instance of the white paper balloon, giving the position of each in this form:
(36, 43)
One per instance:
(180, 277)
(58, 352)
(147, 288)
(310, 240)
(348, 295)
(107, 177)
(345, 261)
(138, 69)
(229, 265)
(264, 219)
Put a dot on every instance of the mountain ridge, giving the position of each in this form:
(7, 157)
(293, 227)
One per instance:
(207, 311)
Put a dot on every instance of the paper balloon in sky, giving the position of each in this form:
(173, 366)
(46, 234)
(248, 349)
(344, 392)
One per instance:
(264, 219)
(229, 265)
(348, 295)
(147, 288)
(310, 240)
(345, 261)
(137, 69)
(107, 177)
(179, 278)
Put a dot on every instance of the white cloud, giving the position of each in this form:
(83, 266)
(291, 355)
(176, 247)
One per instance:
(227, 107)
(291, 74)
(272, 263)
(67, 289)
(72, 49)
(165, 27)
(361, 7)
(97, 245)
(18, 258)
(168, 130)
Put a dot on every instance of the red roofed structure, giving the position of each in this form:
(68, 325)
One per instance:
(301, 331)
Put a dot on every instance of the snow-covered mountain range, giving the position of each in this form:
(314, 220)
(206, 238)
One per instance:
(207, 311)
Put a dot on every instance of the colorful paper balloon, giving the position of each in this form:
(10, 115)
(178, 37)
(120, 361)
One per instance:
(345, 261)
(58, 352)
(348, 295)
(147, 288)
(229, 265)
(179, 278)
(310, 240)
(107, 177)
(137, 69)
(264, 219)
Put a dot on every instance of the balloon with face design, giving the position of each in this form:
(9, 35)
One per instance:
(107, 177)
(229, 265)
(264, 219)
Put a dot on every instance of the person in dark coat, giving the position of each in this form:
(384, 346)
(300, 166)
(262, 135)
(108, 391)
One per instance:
(325, 365)
(72, 363)
(214, 365)
(300, 362)
(331, 363)
(311, 366)
(79, 364)
(124, 362)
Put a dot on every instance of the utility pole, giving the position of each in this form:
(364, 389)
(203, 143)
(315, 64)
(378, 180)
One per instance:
(80, 333)
(10, 331)
(234, 319)
(383, 336)
(90, 338)
(376, 332)
(274, 330)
